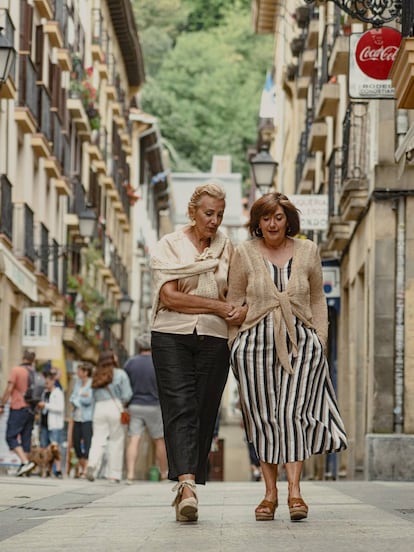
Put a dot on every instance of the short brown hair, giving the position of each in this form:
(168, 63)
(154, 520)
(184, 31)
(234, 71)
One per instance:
(28, 356)
(86, 367)
(267, 205)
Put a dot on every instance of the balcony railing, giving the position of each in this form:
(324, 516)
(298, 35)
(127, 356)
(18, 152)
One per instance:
(61, 16)
(66, 158)
(55, 262)
(44, 250)
(29, 250)
(97, 26)
(8, 33)
(28, 89)
(78, 197)
(407, 19)
(334, 181)
(355, 140)
(6, 207)
(45, 103)
(326, 50)
(303, 147)
(57, 138)
(118, 270)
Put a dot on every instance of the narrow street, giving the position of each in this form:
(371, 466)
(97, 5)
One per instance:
(39, 514)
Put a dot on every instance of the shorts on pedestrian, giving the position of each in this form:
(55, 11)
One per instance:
(19, 428)
(48, 436)
(145, 416)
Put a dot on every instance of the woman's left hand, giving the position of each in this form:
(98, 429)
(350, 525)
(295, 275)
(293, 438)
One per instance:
(236, 316)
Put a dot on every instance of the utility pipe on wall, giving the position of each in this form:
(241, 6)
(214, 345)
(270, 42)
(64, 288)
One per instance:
(399, 317)
(400, 245)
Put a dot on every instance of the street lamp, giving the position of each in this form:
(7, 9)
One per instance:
(125, 304)
(7, 57)
(87, 222)
(264, 170)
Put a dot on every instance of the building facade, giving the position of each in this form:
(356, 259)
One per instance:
(73, 144)
(327, 142)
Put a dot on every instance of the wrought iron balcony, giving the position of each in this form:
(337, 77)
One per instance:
(376, 12)
(6, 207)
(354, 190)
(407, 19)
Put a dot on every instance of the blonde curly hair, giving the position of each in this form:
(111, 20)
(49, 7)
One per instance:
(213, 189)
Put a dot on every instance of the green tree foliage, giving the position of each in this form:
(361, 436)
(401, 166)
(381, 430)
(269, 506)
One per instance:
(158, 29)
(206, 89)
(205, 14)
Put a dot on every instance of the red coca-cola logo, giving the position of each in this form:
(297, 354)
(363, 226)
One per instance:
(376, 50)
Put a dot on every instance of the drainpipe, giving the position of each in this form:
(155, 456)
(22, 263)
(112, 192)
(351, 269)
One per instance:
(401, 128)
(399, 318)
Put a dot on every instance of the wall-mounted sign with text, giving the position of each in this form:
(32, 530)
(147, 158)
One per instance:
(313, 211)
(371, 55)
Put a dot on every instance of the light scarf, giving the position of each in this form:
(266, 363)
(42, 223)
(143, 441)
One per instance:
(165, 269)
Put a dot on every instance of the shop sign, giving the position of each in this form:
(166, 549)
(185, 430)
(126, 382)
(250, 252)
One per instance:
(20, 276)
(371, 57)
(313, 210)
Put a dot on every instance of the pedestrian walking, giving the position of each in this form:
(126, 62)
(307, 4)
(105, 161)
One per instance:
(21, 415)
(52, 419)
(278, 352)
(82, 403)
(111, 392)
(189, 339)
(144, 409)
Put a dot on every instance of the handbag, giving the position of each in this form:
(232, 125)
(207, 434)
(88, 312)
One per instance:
(125, 416)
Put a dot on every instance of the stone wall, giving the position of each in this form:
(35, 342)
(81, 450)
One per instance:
(389, 457)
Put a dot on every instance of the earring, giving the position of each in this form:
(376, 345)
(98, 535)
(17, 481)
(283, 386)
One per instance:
(288, 230)
(193, 222)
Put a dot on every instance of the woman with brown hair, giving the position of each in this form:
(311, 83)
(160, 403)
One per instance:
(278, 351)
(81, 400)
(111, 392)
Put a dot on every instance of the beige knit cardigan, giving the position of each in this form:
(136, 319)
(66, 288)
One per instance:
(165, 267)
(250, 283)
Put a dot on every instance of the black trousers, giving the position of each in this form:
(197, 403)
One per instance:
(191, 375)
(82, 437)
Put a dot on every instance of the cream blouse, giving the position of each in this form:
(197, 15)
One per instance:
(177, 247)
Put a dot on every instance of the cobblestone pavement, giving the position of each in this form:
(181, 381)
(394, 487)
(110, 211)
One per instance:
(42, 514)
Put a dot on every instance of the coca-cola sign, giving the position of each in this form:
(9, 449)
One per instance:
(376, 50)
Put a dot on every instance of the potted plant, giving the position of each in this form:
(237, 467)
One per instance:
(70, 316)
(108, 316)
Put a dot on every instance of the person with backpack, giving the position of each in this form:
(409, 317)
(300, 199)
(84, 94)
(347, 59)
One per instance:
(21, 413)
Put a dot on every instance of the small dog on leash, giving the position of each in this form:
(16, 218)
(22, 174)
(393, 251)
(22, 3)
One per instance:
(44, 458)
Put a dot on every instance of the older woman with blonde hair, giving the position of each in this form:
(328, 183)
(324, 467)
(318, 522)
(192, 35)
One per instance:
(189, 339)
